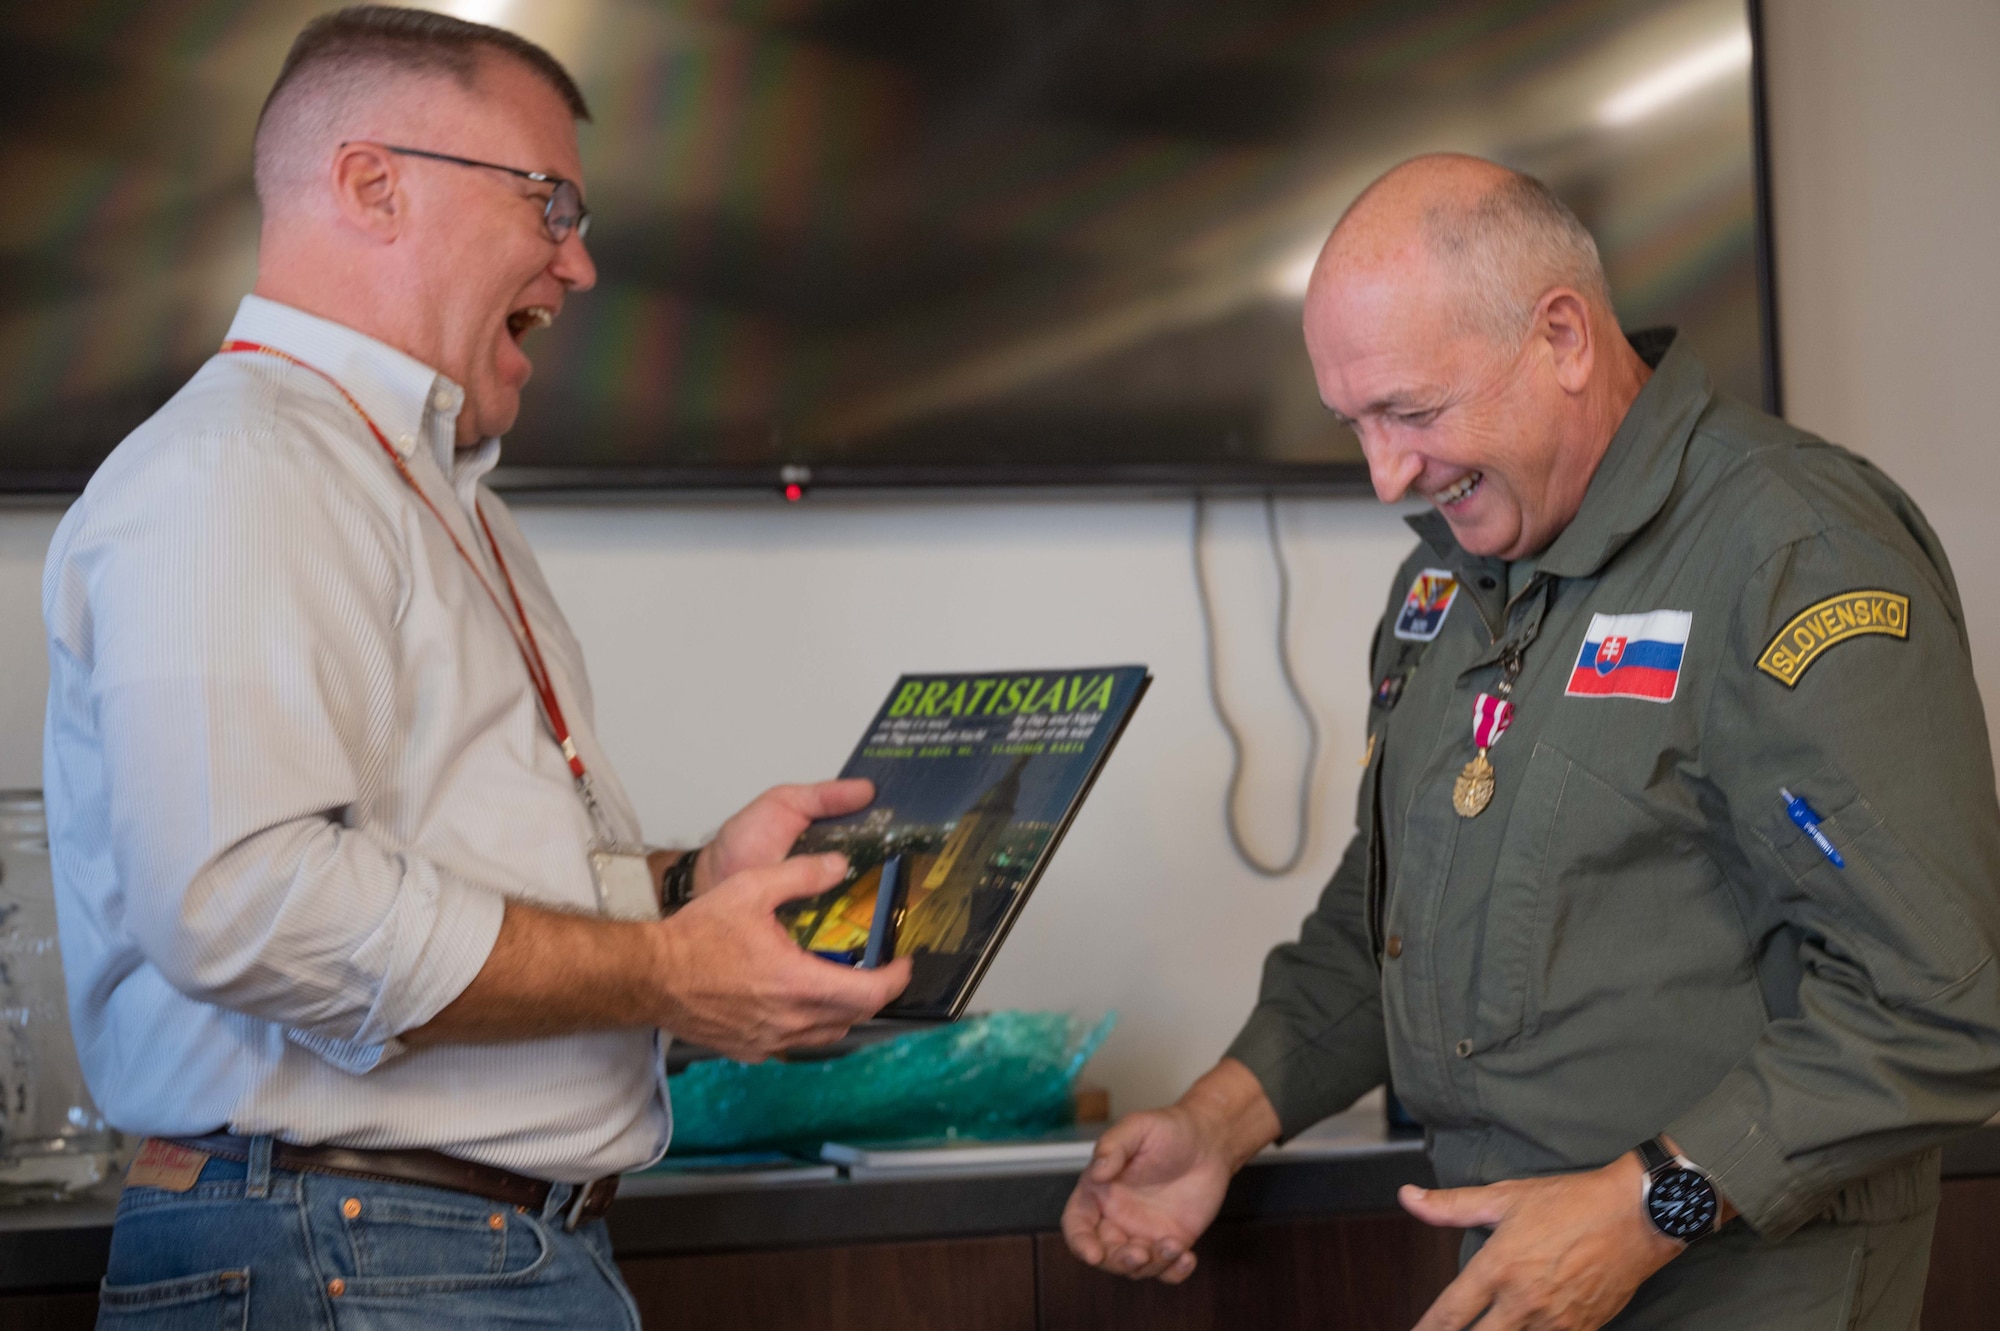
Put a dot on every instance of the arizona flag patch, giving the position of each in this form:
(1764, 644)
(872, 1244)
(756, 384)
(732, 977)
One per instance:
(1426, 604)
(1632, 656)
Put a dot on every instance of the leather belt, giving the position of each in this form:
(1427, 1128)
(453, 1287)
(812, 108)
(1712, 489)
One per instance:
(429, 1168)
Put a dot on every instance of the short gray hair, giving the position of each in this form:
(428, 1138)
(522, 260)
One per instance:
(342, 57)
(1510, 247)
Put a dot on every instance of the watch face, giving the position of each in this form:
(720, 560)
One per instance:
(1682, 1204)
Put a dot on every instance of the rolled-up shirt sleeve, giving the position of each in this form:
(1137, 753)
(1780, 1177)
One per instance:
(1892, 1042)
(240, 665)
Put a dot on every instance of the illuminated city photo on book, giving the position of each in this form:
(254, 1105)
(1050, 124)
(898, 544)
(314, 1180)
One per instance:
(977, 777)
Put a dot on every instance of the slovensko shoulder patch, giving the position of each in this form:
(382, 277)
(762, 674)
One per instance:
(1828, 623)
(1426, 604)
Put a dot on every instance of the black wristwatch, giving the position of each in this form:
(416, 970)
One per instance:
(1680, 1199)
(677, 883)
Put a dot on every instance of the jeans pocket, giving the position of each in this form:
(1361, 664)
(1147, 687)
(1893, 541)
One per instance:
(214, 1301)
(410, 1243)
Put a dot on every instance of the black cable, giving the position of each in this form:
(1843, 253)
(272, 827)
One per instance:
(1236, 841)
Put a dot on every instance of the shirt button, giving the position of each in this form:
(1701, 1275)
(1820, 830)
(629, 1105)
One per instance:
(1394, 947)
(442, 400)
(406, 441)
(1464, 1048)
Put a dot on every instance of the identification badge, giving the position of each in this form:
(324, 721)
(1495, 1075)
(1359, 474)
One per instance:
(624, 883)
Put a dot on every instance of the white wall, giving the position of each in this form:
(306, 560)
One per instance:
(24, 666)
(1885, 147)
(736, 645)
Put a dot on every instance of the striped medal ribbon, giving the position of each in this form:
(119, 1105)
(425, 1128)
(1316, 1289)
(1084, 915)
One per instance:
(1473, 790)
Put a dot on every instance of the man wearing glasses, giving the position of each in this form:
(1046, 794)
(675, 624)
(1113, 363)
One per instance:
(360, 931)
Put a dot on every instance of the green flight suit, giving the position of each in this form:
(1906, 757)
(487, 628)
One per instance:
(1634, 937)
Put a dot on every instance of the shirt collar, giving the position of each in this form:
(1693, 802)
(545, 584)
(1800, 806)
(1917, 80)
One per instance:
(1638, 470)
(412, 404)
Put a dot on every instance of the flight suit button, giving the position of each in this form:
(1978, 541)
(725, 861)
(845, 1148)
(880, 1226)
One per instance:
(1463, 1049)
(1394, 947)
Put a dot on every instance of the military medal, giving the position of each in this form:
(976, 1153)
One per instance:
(1491, 715)
(1473, 790)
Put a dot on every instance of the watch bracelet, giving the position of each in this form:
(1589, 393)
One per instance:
(677, 883)
(1654, 1156)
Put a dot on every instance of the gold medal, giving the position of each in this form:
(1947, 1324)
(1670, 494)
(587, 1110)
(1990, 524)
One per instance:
(1473, 790)
(1491, 715)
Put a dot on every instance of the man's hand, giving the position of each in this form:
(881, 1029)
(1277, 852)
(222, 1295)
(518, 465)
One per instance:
(1567, 1252)
(763, 832)
(734, 980)
(1157, 1178)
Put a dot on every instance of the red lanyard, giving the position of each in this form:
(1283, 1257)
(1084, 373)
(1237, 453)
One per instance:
(531, 652)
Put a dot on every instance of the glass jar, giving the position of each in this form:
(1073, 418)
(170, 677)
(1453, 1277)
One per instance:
(53, 1142)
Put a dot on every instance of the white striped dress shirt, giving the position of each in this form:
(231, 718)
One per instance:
(294, 765)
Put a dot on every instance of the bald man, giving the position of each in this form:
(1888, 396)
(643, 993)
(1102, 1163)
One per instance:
(358, 925)
(1672, 906)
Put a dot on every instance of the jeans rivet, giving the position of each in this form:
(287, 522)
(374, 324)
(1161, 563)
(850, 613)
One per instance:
(336, 1287)
(496, 1221)
(351, 1207)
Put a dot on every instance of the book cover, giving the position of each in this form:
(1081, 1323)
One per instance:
(977, 777)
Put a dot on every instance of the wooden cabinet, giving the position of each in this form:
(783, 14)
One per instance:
(1359, 1272)
(1362, 1273)
(955, 1284)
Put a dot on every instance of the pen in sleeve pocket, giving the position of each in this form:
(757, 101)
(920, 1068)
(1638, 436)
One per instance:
(1802, 813)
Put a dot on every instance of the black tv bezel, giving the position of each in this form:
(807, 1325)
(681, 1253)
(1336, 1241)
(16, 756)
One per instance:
(644, 483)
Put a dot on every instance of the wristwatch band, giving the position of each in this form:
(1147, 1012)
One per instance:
(677, 883)
(1654, 1155)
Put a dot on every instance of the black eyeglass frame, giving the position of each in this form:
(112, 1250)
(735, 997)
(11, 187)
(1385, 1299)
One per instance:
(557, 232)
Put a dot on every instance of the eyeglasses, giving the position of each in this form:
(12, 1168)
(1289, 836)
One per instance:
(564, 211)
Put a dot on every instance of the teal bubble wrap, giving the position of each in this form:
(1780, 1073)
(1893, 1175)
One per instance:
(1001, 1075)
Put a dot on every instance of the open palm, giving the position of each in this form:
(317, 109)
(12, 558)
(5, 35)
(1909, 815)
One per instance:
(1151, 1189)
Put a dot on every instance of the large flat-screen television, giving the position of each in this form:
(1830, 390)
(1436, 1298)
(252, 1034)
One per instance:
(888, 243)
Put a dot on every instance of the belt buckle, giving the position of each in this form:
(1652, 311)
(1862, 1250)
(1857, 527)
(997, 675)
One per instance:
(579, 1201)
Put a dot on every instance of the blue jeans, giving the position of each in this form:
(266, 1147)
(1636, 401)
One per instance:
(254, 1247)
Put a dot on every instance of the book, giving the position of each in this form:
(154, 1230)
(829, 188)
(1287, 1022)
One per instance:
(977, 777)
(1068, 1150)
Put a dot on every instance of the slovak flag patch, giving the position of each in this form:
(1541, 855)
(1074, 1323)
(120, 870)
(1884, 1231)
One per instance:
(1632, 656)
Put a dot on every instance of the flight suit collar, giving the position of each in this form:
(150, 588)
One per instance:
(1632, 482)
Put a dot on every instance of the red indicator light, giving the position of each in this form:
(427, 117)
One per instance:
(794, 492)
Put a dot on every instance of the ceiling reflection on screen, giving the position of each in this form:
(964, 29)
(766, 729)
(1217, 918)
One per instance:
(891, 233)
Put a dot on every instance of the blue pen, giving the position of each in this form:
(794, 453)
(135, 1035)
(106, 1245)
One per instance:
(1802, 813)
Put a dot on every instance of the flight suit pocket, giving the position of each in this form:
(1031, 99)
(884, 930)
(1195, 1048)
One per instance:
(1881, 903)
(1513, 905)
(1603, 918)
